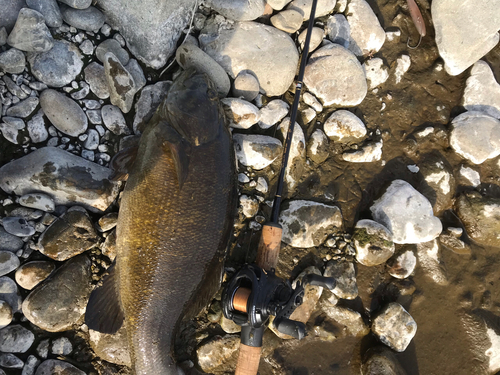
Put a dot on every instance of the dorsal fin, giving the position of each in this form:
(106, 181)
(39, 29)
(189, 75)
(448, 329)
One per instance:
(104, 312)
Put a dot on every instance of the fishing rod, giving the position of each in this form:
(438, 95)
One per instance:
(255, 293)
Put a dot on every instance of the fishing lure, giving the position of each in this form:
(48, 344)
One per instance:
(418, 20)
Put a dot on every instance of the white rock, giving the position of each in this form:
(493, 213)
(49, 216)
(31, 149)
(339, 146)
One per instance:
(366, 33)
(403, 266)
(238, 10)
(369, 153)
(344, 126)
(288, 20)
(272, 113)
(316, 38)
(471, 175)
(403, 63)
(249, 206)
(376, 72)
(391, 35)
(395, 327)
(429, 260)
(317, 147)
(465, 33)
(256, 151)
(308, 224)
(413, 224)
(262, 185)
(310, 100)
(373, 243)
(246, 86)
(475, 136)
(277, 4)
(10, 128)
(482, 91)
(241, 113)
(308, 115)
(323, 7)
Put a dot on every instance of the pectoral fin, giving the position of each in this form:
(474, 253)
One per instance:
(104, 312)
(122, 162)
(180, 152)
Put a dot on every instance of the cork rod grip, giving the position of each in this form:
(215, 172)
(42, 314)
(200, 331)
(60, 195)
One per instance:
(248, 360)
(269, 246)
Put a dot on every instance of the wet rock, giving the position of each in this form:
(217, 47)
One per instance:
(373, 243)
(323, 7)
(17, 226)
(376, 72)
(14, 88)
(10, 293)
(62, 346)
(368, 153)
(416, 223)
(311, 101)
(8, 262)
(470, 175)
(246, 86)
(464, 34)
(233, 48)
(12, 61)
(297, 157)
(454, 243)
(151, 30)
(240, 113)
(96, 78)
(70, 235)
(217, 351)
(229, 326)
(256, 151)
(338, 30)
(334, 75)
(403, 63)
(23, 109)
(64, 113)
(30, 32)
(317, 35)
(317, 147)
(308, 224)
(8, 360)
(112, 348)
(36, 128)
(43, 348)
(5, 314)
(60, 301)
(33, 273)
(108, 221)
(49, 9)
(366, 33)
(403, 265)
(288, 21)
(395, 327)
(238, 10)
(37, 201)
(16, 339)
(272, 113)
(59, 66)
(123, 81)
(150, 98)
(352, 320)
(428, 254)
(482, 91)
(480, 216)
(344, 126)
(57, 367)
(277, 4)
(111, 45)
(9, 10)
(471, 144)
(381, 361)
(66, 177)
(109, 246)
(250, 206)
(344, 274)
(190, 56)
(10, 128)
(9, 242)
(114, 120)
(89, 19)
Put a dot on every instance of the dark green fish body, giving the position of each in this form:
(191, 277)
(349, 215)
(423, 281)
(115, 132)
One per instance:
(174, 223)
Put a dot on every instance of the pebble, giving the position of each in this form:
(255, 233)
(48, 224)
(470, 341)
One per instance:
(111, 347)
(87, 47)
(246, 86)
(111, 45)
(229, 326)
(367, 35)
(311, 101)
(37, 201)
(55, 366)
(36, 128)
(8, 360)
(31, 364)
(472, 144)
(334, 75)
(12, 61)
(89, 19)
(317, 35)
(249, 206)
(288, 21)
(308, 115)
(297, 156)
(262, 185)
(352, 320)
(59, 66)
(30, 33)
(416, 223)
(94, 116)
(428, 254)
(108, 221)
(471, 175)
(376, 72)
(308, 224)
(13, 88)
(317, 147)
(17, 226)
(403, 265)
(403, 63)
(272, 113)
(109, 246)
(233, 48)
(96, 78)
(9, 242)
(10, 293)
(70, 235)
(77, 4)
(338, 30)
(240, 113)
(238, 10)
(380, 360)
(217, 351)
(150, 98)
(49, 9)
(62, 346)
(369, 153)
(344, 274)
(323, 7)
(10, 128)
(455, 244)
(92, 141)
(344, 126)
(60, 301)
(16, 339)
(277, 4)
(395, 327)
(5, 314)
(482, 91)
(373, 243)
(24, 108)
(256, 151)
(190, 56)
(392, 34)
(81, 94)
(33, 273)
(64, 113)
(31, 172)
(116, 74)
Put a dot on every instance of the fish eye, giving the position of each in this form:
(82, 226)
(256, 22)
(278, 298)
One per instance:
(212, 94)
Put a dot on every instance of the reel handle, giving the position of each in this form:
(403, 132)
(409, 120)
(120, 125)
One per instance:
(290, 327)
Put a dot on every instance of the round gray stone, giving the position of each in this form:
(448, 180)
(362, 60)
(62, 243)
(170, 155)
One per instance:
(89, 19)
(64, 113)
(344, 126)
(8, 262)
(272, 113)
(8, 360)
(9, 10)
(338, 30)
(30, 32)
(16, 339)
(96, 78)
(10, 293)
(238, 10)
(33, 273)
(403, 265)
(288, 21)
(62, 346)
(12, 61)
(49, 9)
(246, 86)
(150, 98)
(344, 273)
(10, 128)
(9, 242)
(57, 367)
(113, 119)
(111, 45)
(24, 108)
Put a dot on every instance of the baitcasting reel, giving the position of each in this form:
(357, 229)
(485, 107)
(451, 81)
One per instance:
(253, 294)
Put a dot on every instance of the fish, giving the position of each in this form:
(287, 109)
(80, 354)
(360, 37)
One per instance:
(174, 223)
